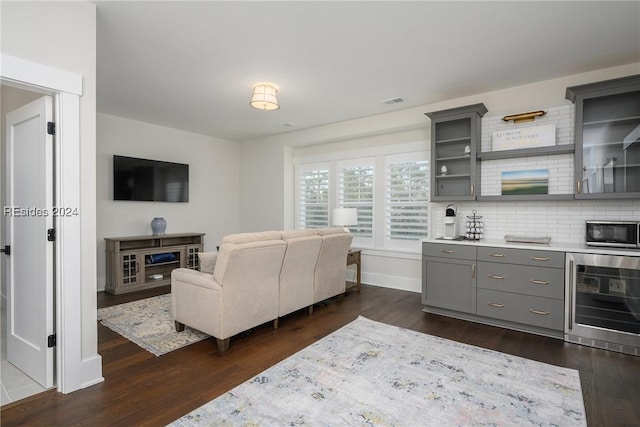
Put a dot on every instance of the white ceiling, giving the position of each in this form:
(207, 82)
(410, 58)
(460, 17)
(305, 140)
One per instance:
(191, 65)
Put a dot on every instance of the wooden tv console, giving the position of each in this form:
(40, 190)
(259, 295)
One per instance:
(141, 262)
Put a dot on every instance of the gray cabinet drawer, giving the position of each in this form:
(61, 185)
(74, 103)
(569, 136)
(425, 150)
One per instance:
(537, 311)
(447, 250)
(541, 258)
(523, 279)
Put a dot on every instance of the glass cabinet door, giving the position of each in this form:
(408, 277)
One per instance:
(607, 138)
(608, 298)
(455, 136)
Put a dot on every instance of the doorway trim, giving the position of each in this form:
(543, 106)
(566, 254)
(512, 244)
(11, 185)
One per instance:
(73, 369)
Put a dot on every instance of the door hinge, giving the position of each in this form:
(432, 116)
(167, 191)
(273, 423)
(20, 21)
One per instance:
(51, 128)
(6, 250)
(51, 341)
(51, 234)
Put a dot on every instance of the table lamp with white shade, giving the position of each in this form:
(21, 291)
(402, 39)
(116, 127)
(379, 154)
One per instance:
(344, 217)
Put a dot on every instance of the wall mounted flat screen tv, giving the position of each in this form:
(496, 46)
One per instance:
(149, 180)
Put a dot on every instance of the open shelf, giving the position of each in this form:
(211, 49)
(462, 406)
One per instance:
(460, 175)
(527, 152)
(452, 140)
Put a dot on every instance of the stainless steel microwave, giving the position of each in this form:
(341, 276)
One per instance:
(617, 234)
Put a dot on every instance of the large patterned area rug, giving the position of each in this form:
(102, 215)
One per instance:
(370, 373)
(149, 324)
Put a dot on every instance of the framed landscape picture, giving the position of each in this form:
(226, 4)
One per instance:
(525, 182)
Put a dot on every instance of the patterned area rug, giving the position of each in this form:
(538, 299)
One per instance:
(149, 324)
(370, 373)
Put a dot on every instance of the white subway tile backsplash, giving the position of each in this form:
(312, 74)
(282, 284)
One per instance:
(562, 221)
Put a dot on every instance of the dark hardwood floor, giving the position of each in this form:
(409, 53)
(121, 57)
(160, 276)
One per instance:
(142, 389)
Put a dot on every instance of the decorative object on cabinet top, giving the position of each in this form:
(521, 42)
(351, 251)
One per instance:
(530, 137)
(527, 239)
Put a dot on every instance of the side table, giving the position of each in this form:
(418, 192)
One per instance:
(354, 256)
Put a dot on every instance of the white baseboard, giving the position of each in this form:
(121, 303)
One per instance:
(394, 282)
(92, 371)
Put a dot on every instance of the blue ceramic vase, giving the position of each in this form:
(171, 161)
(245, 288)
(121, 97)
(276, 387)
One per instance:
(158, 226)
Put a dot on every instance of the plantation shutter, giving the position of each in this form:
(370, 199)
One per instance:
(313, 199)
(407, 200)
(355, 190)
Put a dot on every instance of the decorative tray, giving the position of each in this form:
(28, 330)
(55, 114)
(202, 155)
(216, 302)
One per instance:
(527, 239)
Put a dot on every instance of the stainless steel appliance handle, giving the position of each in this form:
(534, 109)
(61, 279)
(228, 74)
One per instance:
(570, 308)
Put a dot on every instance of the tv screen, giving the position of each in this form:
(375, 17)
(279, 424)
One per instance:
(149, 180)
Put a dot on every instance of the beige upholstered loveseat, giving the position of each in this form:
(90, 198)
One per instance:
(259, 277)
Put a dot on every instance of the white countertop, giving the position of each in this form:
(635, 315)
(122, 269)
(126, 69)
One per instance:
(551, 246)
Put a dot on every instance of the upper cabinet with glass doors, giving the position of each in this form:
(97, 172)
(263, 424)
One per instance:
(455, 137)
(607, 131)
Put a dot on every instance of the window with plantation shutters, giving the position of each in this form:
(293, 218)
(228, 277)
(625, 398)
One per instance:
(388, 185)
(406, 198)
(313, 196)
(355, 190)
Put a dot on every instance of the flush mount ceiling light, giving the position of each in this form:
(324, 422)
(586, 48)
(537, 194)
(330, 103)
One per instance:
(265, 97)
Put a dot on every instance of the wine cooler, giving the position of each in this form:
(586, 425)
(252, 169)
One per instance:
(603, 301)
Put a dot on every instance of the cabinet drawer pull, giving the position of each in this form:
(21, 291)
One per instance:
(540, 312)
(473, 271)
(497, 255)
(540, 258)
(494, 304)
(448, 251)
(495, 276)
(539, 282)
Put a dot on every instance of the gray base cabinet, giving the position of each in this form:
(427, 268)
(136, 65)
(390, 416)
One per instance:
(451, 287)
(514, 288)
(452, 278)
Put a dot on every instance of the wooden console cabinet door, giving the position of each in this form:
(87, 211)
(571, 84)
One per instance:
(129, 273)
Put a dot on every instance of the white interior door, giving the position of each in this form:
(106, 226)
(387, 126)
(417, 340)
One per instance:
(29, 216)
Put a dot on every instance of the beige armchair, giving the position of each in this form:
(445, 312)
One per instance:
(241, 293)
(329, 278)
